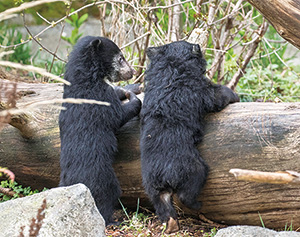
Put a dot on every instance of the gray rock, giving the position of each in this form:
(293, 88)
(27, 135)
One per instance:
(70, 211)
(253, 231)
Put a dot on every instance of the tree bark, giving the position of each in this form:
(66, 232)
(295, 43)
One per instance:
(175, 27)
(254, 136)
(284, 15)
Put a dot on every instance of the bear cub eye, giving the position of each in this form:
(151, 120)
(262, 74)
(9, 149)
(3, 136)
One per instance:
(121, 59)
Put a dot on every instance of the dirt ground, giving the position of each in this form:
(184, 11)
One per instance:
(145, 223)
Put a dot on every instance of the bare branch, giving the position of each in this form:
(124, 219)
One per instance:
(35, 105)
(252, 48)
(26, 5)
(43, 47)
(8, 192)
(30, 68)
(2, 54)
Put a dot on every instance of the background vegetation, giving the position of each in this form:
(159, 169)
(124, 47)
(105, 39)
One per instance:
(227, 31)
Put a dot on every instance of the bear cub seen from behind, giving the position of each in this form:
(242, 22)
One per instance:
(87, 131)
(177, 96)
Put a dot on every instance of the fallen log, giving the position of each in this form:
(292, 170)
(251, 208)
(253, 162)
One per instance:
(257, 136)
(284, 15)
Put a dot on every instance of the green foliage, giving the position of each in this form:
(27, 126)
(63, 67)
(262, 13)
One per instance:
(18, 2)
(75, 22)
(212, 233)
(140, 224)
(266, 78)
(57, 68)
(10, 36)
(18, 189)
(267, 53)
(135, 222)
(164, 19)
(273, 82)
(22, 53)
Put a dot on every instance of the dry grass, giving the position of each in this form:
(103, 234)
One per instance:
(145, 223)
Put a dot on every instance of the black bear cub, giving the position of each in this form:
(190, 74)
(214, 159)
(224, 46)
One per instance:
(177, 96)
(87, 131)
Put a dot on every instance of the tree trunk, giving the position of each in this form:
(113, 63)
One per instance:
(284, 15)
(254, 136)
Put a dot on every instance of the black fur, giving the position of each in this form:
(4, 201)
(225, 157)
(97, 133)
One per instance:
(87, 131)
(177, 96)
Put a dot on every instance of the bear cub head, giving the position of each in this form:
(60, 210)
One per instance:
(181, 56)
(102, 57)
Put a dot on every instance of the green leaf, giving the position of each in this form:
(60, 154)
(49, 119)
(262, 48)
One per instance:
(64, 38)
(77, 37)
(6, 198)
(74, 17)
(82, 19)
(69, 21)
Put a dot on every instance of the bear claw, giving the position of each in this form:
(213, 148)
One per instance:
(172, 226)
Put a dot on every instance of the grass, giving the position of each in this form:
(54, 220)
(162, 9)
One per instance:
(287, 227)
(261, 220)
(143, 222)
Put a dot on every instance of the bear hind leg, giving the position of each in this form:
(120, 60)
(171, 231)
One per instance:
(163, 204)
(106, 190)
(189, 192)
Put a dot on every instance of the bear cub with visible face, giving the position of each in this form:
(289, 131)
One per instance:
(177, 97)
(87, 131)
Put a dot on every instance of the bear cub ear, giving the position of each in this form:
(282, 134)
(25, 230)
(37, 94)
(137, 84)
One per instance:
(96, 43)
(153, 51)
(196, 50)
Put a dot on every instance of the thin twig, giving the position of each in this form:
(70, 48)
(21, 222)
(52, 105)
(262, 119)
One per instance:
(165, 7)
(281, 60)
(34, 38)
(252, 48)
(43, 18)
(30, 68)
(138, 38)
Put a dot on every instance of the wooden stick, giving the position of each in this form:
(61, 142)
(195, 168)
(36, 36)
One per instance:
(8, 192)
(280, 177)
